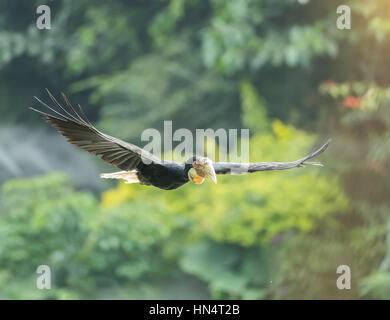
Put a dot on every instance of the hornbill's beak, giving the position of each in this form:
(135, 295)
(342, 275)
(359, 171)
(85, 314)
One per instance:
(204, 167)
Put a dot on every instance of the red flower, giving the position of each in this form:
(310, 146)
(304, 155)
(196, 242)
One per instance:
(352, 102)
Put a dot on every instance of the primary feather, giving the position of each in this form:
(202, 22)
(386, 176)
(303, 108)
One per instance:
(80, 132)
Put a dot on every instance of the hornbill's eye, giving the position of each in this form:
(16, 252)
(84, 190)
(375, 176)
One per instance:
(194, 177)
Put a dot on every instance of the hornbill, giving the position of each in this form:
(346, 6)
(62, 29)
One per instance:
(139, 165)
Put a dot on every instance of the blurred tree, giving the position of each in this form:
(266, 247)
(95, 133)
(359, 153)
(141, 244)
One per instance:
(271, 66)
(89, 249)
(357, 115)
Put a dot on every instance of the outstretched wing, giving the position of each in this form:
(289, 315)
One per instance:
(242, 168)
(80, 132)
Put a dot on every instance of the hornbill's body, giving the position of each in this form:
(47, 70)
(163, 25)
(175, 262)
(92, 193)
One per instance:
(140, 166)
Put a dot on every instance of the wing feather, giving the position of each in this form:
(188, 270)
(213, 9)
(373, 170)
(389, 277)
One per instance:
(242, 168)
(80, 132)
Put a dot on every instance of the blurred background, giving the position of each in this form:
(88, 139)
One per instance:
(280, 68)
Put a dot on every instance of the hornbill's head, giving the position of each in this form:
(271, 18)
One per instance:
(199, 168)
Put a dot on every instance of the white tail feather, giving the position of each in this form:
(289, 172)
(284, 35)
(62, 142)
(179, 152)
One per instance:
(129, 176)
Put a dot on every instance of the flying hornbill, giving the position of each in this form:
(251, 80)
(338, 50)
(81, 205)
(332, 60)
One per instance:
(140, 166)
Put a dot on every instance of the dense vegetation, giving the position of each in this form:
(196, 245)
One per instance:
(280, 68)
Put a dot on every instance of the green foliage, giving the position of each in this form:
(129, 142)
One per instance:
(230, 271)
(281, 69)
(44, 222)
(377, 285)
(254, 111)
(232, 42)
